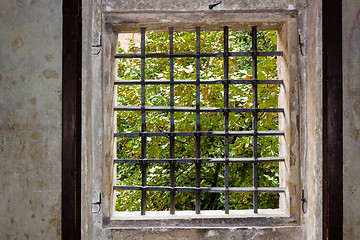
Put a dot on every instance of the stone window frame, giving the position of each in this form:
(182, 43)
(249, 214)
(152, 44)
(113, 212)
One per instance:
(286, 24)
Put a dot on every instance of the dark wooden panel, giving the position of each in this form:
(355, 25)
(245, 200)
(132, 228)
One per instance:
(71, 120)
(332, 121)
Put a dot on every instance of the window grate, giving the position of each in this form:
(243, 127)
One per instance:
(198, 133)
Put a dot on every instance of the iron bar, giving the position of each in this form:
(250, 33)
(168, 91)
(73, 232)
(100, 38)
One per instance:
(194, 109)
(255, 117)
(172, 122)
(202, 160)
(200, 133)
(143, 124)
(197, 127)
(203, 54)
(226, 116)
(154, 82)
(202, 189)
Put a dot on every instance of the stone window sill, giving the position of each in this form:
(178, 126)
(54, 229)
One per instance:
(207, 218)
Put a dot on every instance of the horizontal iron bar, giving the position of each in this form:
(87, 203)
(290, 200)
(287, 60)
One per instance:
(153, 82)
(259, 54)
(201, 160)
(201, 54)
(200, 133)
(193, 109)
(203, 189)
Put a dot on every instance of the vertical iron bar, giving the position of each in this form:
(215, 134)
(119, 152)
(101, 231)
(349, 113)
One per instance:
(255, 115)
(197, 138)
(226, 115)
(143, 124)
(172, 122)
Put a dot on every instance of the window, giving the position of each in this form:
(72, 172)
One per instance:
(233, 103)
(175, 138)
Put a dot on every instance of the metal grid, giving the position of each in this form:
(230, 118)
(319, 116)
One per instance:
(198, 133)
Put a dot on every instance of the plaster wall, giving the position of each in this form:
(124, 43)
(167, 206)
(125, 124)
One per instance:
(351, 114)
(197, 5)
(209, 233)
(30, 119)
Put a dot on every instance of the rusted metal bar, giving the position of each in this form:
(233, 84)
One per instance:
(143, 123)
(154, 82)
(194, 109)
(226, 116)
(172, 122)
(202, 189)
(202, 160)
(255, 117)
(203, 54)
(197, 127)
(200, 133)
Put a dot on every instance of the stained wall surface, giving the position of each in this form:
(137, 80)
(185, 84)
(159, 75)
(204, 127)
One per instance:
(351, 111)
(310, 63)
(30, 119)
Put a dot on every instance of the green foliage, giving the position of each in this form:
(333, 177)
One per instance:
(240, 96)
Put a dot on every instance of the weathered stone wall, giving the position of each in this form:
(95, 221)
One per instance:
(351, 98)
(310, 63)
(30, 119)
(207, 233)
